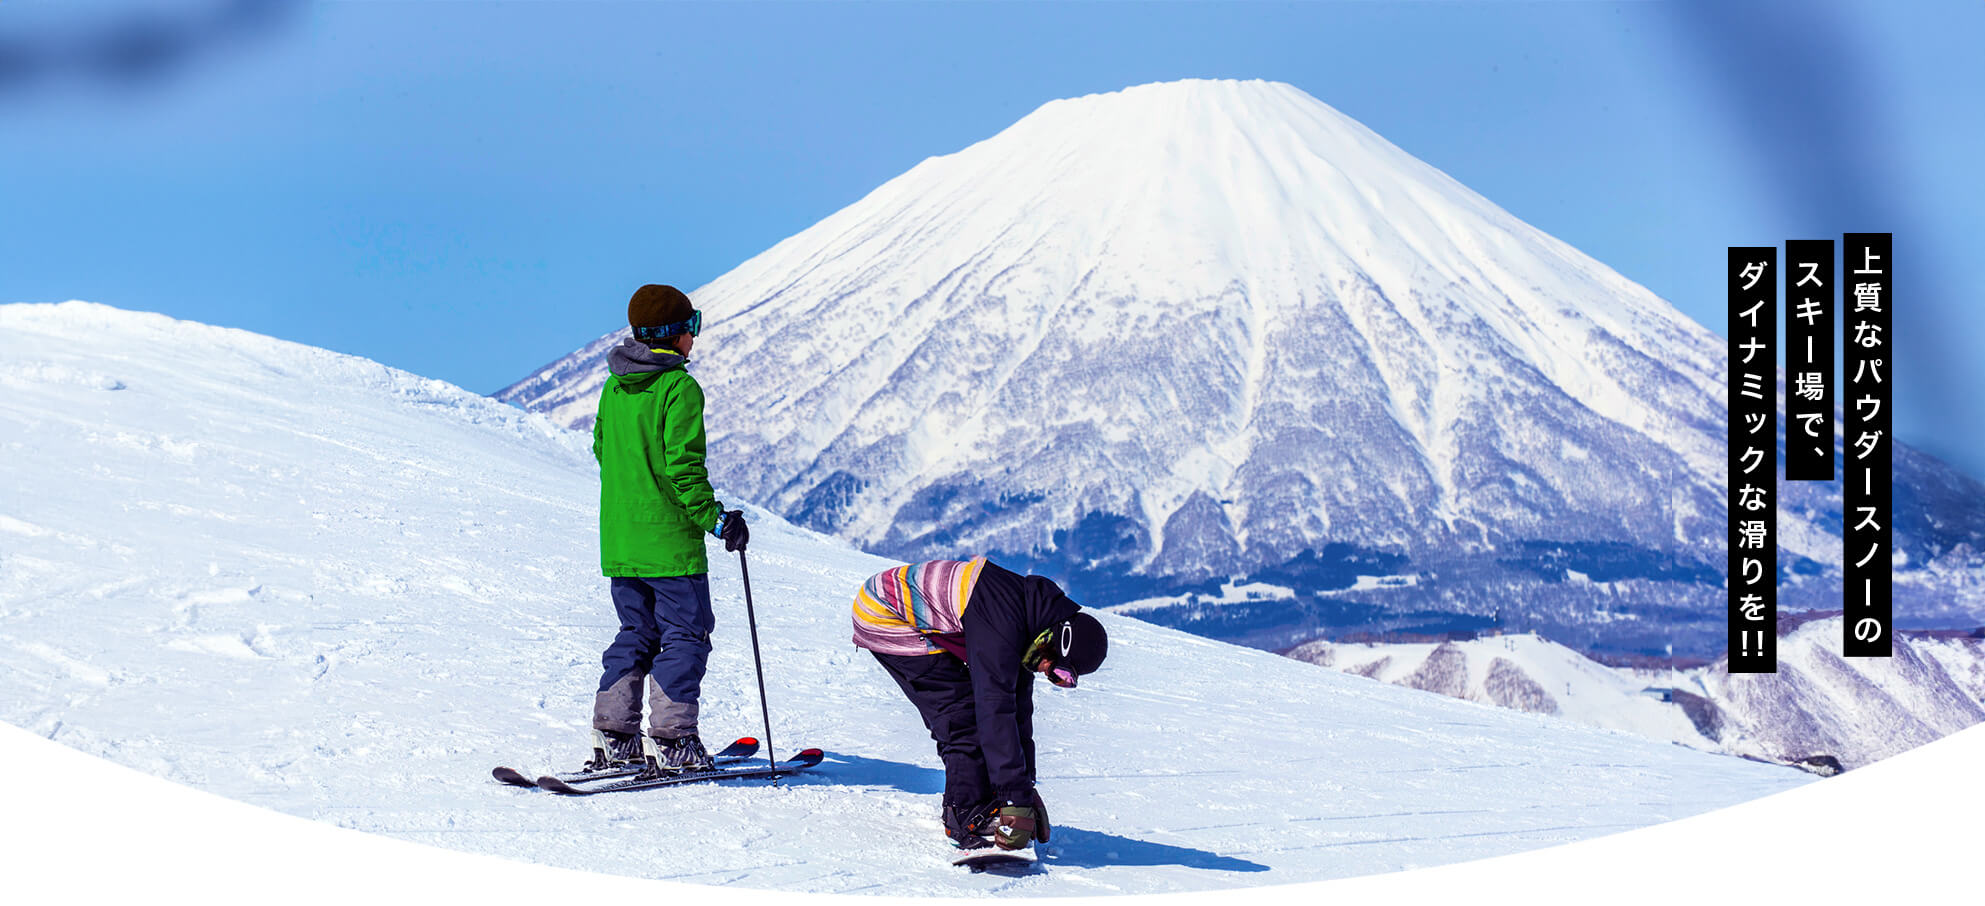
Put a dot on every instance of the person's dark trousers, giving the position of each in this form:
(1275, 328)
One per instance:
(665, 626)
(940, 687)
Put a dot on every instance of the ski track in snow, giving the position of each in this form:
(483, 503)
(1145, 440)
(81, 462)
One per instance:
(328, 588)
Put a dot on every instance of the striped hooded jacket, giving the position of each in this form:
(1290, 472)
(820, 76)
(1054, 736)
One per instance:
(916, 609)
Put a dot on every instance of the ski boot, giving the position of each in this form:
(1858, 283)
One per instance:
(678, 756)
(613, 751)
(969, 826)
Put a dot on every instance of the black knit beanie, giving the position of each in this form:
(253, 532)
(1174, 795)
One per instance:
(1081, 643)
(658, 305)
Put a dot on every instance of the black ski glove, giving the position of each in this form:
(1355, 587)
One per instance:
(732, 529)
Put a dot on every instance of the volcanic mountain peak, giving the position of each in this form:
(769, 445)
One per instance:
(1204, 330)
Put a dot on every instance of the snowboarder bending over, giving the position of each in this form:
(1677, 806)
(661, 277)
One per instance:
(925, 623)
(655, 504)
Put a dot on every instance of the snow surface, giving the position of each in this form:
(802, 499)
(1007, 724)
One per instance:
(326, 587)
(1908, 826)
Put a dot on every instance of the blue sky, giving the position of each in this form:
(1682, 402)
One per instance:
(469, 190)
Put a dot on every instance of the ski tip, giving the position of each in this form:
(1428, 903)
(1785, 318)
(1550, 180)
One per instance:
(739, 749)
(510, 776)
(556, 785)
(809, 757)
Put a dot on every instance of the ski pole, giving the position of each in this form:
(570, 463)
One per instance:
(757, 665)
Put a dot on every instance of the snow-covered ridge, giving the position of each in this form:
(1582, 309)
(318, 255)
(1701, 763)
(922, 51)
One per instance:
(306, 582)
(1819, 707)
(273, 363)
(1857, 710)
(1521, 672)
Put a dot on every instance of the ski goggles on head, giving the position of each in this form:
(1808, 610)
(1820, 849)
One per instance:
(693, 326)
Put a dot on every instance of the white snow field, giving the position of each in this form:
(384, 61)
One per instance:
(1898, 831)
(322, 586)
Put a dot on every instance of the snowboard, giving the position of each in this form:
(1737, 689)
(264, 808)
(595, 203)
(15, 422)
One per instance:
(988, 857)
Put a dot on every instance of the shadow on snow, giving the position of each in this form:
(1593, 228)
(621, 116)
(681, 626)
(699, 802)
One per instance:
(1072, 846)
(859, 770)
(1078, 848)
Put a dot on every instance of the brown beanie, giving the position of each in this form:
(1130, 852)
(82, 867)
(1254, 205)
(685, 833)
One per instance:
(658, 305)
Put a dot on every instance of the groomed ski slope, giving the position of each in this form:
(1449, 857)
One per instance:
(322, 586)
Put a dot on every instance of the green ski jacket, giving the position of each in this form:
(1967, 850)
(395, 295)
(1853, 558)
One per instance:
(656, 502)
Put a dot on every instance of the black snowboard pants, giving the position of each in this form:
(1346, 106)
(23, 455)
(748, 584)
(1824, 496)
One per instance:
(940, 686)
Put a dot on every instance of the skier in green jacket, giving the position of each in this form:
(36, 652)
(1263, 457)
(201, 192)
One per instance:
(655, 505)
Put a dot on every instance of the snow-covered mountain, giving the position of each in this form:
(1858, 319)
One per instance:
(1856, 710)
(326, 587)
(1819, 709)
(1151, 340)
